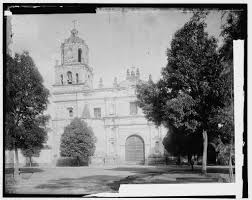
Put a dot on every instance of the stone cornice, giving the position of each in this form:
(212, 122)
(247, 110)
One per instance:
(75, 64)
(105, 118)
(90, 90)
(96, 98)
(67, 85)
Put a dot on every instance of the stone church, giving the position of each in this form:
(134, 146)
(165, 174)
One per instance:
(123, 134)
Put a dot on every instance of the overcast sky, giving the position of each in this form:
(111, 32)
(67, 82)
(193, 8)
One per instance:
(117, 40)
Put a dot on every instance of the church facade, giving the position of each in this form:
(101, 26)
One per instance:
(123, 133)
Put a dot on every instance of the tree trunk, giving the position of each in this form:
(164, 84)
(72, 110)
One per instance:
(16, 164)
(204, 158)
(30, 161)
(178, 159)
(190, 160)
(231, 175)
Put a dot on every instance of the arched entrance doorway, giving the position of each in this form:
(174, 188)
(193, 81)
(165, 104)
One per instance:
(134, 150)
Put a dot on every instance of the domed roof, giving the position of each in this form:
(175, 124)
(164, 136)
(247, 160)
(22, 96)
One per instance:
(74, 37)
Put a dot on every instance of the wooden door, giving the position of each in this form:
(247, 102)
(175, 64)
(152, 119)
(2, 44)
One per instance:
(134, 150)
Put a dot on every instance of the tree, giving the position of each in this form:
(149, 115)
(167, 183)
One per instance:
(191, 89)
(234, 28)
(35, 136)
(178, 143)
(77, 141)
(26, 99)
(31, 151)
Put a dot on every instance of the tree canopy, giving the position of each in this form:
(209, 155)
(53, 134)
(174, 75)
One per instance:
(78, 140)
(191, 90)
(26, 99)
(233, 28)
(34, 137)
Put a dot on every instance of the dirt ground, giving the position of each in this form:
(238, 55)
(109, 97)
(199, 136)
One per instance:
(90, 180)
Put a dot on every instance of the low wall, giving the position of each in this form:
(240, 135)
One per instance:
(44, 159)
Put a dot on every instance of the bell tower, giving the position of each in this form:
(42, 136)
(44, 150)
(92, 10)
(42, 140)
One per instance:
(73, 73)
(74, 50)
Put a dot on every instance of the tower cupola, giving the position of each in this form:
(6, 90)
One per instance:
(74, 50)
(74, 71)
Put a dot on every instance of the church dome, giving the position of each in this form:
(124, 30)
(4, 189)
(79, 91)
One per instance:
(74, 38)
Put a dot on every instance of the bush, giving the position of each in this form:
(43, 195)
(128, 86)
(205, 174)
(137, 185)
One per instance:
(155, 155)
(70, 162)
(224, 153)
(78, 141)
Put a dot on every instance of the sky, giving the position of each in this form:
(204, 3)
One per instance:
(118, 40)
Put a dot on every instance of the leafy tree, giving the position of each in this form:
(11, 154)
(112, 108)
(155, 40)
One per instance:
(234, 28)
(34, 137)
(26, 99)
(191, 89)
(31, 151)
(180, 144)
(77, 141)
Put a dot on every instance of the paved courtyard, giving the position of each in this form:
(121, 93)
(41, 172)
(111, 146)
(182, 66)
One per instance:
(90, 180)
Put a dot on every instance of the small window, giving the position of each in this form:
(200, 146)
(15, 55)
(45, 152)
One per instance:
(77, 78)
(61, 79)
(133, 108)
(70, 110)
(97, 112)
(69, 77)
(79, 55)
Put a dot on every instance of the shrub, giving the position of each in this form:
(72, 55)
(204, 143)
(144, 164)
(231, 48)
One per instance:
(224, 153)
(70, 162)
(78, 141)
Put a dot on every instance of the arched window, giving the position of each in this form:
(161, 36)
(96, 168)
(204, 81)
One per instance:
(61, 79)
(79, 55)
(77, 78)
(69, 77)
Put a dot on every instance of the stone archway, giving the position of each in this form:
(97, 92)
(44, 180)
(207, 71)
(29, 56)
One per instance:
(134, 150)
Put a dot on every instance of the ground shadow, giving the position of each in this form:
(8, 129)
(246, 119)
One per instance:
(174, 169)
(94, 184)
(154, 178)
(219, 170)
(24, 173)
(158, 170)
(23, 170)
(89, 184)
(111, 183)
(140, 170)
